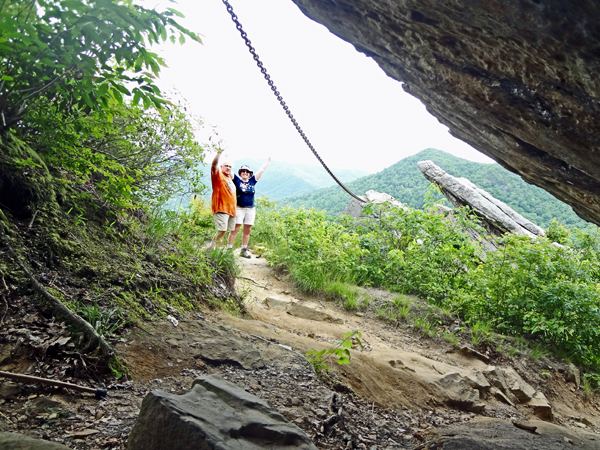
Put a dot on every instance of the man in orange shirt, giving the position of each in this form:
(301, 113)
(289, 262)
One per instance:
(223, 199)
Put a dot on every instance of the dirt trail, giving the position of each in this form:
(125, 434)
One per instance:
(390, 393)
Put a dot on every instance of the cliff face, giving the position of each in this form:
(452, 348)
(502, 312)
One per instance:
(518, 80)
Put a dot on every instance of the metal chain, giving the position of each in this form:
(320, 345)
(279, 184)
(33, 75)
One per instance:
(259, 63)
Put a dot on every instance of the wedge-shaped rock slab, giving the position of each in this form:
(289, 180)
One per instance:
(215, 414)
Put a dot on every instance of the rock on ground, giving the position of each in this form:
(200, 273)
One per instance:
(216, 414)
(17, 441)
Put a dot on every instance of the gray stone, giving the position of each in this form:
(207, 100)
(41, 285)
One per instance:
(477, 381)
(458, 390)
(17, 441)
(515, 80)
(572, 375)
(499, 217)
(353, 208)
(495, 376)
(474, 353)
(541, 407)
(9, 390)
(305, 312)
(517, 386)
(501, 396)
(219, 345)
(215, 414)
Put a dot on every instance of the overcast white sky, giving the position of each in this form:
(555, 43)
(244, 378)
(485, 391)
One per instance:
(354, 115)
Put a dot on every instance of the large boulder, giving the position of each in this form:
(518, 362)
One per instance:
(498, 217)
(516, 79)
(215, 414)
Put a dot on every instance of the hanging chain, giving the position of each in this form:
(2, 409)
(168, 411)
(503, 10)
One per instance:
(259, 63)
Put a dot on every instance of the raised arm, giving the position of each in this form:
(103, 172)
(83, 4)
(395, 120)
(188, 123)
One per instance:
(215, 164)
(262, 169)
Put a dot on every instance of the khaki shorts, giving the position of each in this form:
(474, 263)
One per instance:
(224, 221)
(245, 216)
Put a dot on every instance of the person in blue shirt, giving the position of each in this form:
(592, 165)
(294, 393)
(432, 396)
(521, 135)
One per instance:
(245, 209)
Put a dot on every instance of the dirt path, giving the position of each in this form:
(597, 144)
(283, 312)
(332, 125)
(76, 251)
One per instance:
(391, 395)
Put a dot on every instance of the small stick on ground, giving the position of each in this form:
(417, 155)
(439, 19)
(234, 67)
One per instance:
(100, 393)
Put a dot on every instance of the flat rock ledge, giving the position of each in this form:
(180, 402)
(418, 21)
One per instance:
(215, 414)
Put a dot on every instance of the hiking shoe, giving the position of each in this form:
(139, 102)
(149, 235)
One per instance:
(245, 253)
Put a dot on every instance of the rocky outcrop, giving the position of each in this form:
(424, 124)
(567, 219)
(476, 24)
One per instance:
(515, 79)
(485, 433)
(498, 217)
(215, 414)
(355, 207)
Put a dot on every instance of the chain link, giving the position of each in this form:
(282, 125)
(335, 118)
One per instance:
(260, 65)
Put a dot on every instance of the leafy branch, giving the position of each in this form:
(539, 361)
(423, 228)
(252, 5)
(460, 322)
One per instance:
(341, 351)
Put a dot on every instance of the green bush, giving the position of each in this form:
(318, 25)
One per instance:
(534, 287)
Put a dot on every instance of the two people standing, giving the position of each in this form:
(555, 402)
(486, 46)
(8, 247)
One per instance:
(233, 202)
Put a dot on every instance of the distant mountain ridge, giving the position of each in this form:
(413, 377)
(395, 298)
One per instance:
(406, 183)
(281, 179)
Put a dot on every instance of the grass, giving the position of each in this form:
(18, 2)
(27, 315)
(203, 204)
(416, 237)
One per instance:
(106, 323)
(397, 309)
(451, 338)
(480, 332)
(426, 327)
(345, 293)
(538, 351)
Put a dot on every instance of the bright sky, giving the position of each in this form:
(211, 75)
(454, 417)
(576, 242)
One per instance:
(355, 116)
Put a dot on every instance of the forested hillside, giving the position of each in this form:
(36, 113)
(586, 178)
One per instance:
(405, 182)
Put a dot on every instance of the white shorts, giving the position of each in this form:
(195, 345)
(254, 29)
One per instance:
(244, 216)
(224, 222)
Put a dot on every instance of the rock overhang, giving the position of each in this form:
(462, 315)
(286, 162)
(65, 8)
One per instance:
(517, 80)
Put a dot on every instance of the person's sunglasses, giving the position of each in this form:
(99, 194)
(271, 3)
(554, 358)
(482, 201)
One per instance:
(244, 171)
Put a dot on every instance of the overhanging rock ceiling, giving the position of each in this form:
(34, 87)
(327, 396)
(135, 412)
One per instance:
(518, 80)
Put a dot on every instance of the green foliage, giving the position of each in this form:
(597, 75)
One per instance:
(417, 252)
(405, 182)
(343, 292)
(557, 233)
(106, 323)
(480, 332)
(80, 55)
(140, 156)
(538, 351)
(451, 338)
(341, 351)
(533, 287)
(397, 309)
(527, 287)
(307, 242)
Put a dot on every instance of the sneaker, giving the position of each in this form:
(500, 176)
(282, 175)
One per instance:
(245, 253)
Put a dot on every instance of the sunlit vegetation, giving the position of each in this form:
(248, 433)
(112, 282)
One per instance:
(535, 289)
(405, 182)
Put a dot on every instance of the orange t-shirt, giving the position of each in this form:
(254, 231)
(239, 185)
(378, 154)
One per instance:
(223, 196)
